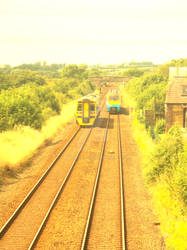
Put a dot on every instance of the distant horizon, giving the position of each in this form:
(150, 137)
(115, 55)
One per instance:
(94, 64)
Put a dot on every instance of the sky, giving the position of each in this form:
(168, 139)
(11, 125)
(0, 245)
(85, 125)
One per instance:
(92, 31)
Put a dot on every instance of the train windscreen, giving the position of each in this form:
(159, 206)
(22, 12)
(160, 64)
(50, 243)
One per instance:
(114, 98)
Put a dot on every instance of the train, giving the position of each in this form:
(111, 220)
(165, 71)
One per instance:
(86, 110)
(113, 101)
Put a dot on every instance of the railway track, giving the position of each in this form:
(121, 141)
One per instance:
(98, 204)
(24, 202)
(23, 228)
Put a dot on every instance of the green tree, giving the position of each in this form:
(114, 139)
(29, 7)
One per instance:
(21, 77)
(167, 156)
(164, 70)
(132, 72)
(19, 108)
(146, 89)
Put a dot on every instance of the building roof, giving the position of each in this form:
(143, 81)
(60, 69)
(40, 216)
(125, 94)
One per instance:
(177, 91)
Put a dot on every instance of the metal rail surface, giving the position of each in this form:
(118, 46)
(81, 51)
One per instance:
(123, 224)
(29, 195)
(93, 198)
(88, 223)
(36, 237)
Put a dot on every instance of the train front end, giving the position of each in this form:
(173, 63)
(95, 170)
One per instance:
(113, 103)
(86, 112)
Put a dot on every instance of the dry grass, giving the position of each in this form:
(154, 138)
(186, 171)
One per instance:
(21, 143)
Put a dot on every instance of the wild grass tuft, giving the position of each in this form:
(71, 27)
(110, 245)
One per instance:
(18, 146)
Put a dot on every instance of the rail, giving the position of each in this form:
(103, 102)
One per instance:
(123, 225)
(36, 237)
(88, 223)
(29, 195)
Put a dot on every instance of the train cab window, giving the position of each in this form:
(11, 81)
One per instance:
(79, 107)
(92, 107)
(114, 98)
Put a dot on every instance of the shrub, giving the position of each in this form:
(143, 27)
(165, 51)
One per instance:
(167, 155)
(17, 109)
(28, 106)
(47, 99)
(160, 126)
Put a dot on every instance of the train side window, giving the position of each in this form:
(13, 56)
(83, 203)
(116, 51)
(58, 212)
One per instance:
(92, 107)
(79, 107)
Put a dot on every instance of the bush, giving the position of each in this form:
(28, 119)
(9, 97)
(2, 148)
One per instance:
(47, 99)
(28, 106)
(164, 163)
(160, 126)
(146, 90)
(17, 109)
(167, 155)
(26, 99)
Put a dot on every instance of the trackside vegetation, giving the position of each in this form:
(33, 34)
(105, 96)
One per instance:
(28, 99)
(164, 158)
(33, 107)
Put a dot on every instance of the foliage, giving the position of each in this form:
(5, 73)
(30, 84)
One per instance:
(27, 99)
(19, 144)
(182, 62)
(94, 71)
(168, 163)
(160, 126)
(17, 78)
(75, 71)
(148, 128)
(5, 82)
(165, 171)
(148, 90)
(164, 70)
(44, 69)
(167, 156)
(132, 72)
(141, 64)
(26, 106)
(18, 109)
(153, 97)
(75, 81)
(21, 77)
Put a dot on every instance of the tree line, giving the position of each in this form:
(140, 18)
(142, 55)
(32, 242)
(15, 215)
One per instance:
(29, 98)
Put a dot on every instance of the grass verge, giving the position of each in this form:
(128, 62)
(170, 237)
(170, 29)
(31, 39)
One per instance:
(18, 146)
